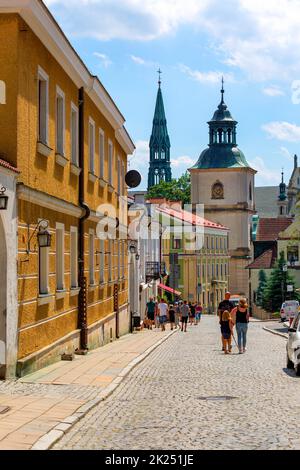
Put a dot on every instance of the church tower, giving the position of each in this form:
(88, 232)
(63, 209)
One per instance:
(160, 165)
(223, 181)
(282, 199)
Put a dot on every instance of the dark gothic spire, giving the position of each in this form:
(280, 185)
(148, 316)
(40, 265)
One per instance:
(282, 188)
(160, 166)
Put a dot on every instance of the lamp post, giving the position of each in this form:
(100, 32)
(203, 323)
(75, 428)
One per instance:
(283, 282)
(3, 199)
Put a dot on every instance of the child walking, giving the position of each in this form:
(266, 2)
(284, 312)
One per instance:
(226, 331)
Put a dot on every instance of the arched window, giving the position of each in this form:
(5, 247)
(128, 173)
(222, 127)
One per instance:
(220, 136)
(162, 174)
(156, 176)
(229, 136)
(163, 154)
(156, 155)
(217, 190)
(250, 192)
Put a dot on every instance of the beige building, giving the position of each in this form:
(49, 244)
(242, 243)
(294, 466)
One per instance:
(223, 181)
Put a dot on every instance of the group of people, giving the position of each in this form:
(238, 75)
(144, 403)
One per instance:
(158, 313)
(230, 317)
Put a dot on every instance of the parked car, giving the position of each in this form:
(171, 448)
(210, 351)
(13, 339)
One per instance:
(289, 310)
(293, 346)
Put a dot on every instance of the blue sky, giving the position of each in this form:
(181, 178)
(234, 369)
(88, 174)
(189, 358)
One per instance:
(255, 45)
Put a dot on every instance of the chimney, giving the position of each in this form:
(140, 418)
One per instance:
(295, 162)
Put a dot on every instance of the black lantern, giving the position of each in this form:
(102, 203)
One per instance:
(3, 200)
(137, 256)
(132, 249)
(44, 239)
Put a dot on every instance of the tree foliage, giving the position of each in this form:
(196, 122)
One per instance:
(176, 190)
(276, 288)
(262, 278)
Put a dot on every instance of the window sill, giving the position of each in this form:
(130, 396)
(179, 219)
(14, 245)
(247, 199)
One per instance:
(75, 169)
(60, 294)
(92, 177)
(44, 299)
(102, 182)
(102, 285)
(61, 159)
(43, 149)
(74, 291)
(92, 287)
(110, 188)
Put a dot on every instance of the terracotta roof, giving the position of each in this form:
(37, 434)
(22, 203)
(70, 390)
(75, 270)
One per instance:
(268, 229)
(191, 218)
(264, 261)
(7, 165)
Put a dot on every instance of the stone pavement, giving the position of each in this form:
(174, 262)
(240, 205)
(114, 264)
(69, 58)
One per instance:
(48, 399)
(160, 403)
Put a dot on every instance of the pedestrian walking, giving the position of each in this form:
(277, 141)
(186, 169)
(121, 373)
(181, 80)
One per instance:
(156, 315)
(177, 314)
(172, 316)
(192, 313)
(225, 305)
(150, 312)
(198, 310)
(241, 323)
(163, 314)
(185, 311)
(226, 331)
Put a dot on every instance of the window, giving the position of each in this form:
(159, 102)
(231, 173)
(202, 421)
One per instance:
(101, 153)
(44, 270)
(60, 256)
(101, 262)
(92, 146)
(176, 244)
(74, 257)
(119, 170)
(212, 245)
(203, 270)
(74, 135)
(92, 257)
(109, 260)
(123, 258)
(43, 106)
(110, 162)
(60, 121)
(217, 243)
(292, 254)
(250, 192)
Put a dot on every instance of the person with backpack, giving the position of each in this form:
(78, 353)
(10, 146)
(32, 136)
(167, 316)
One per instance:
(241, 316)
(185, 311)
(150, 312)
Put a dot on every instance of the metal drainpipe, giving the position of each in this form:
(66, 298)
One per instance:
(82, 307)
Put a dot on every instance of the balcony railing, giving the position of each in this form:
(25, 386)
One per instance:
(155, 270)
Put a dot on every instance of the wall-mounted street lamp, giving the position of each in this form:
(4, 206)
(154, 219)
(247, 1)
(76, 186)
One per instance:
(137, 256)
(3, 199)
(43, 236)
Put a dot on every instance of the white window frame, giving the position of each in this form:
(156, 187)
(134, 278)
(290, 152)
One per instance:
(42, 76)
(110, 162)
(74, 257)
(60, 256)
(92, 146)
(102, 262)
(74, 154)
(110, 259)
(92, 256)
(60, 139)
(101, 153)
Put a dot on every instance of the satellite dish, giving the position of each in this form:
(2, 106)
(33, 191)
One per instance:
(133, 179)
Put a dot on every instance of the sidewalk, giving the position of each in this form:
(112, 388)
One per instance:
(40, 407)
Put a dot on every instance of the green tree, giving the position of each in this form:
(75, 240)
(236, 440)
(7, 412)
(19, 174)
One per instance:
(262, 278)
(276, 289)
(175, 190)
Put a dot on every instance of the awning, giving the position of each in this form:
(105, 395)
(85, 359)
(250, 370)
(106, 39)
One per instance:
(169, 289)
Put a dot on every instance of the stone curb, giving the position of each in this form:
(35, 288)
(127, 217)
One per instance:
(48, 440)
(283, 335)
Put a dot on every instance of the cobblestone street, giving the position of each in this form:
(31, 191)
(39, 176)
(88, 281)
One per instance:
(159, 406)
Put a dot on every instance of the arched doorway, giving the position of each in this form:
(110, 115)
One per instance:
(3, 297)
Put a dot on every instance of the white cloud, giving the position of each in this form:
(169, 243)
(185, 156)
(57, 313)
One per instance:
(140, 159)
(273, 90)
(205, 77)
(183, 161)
(104, 59)
(282, 131)
(286, 153)
(141, 61)
(264, 175)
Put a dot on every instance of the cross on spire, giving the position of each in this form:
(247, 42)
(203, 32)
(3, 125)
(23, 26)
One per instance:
(222, 91)
(159, 75)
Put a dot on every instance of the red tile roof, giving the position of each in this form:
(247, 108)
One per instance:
(269, 229)
(190, 218)
(264, 261)
(7, 165)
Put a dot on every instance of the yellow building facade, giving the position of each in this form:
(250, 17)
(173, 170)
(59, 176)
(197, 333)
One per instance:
(65, 135)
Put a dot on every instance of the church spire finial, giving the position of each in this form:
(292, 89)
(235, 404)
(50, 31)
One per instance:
(222, 91)
(159, 77)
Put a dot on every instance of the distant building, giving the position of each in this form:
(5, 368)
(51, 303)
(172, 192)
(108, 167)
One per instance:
(160, 164)
(265, 201)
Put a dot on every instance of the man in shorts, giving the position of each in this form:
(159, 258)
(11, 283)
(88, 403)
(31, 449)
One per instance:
(163, 314)
(185, 311)
(225, 305)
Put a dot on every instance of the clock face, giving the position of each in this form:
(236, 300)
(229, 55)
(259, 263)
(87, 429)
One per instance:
(218, 191)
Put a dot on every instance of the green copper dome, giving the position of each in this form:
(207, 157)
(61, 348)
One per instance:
(222, 151)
